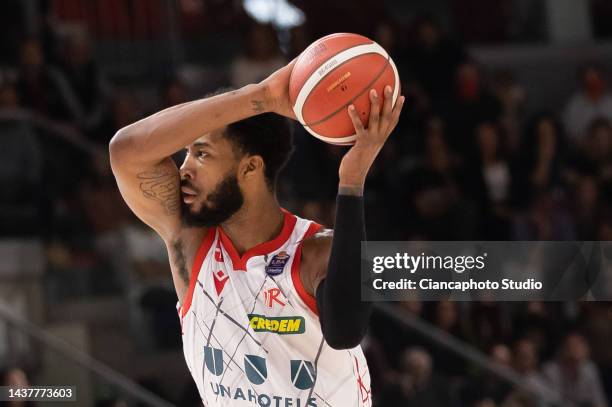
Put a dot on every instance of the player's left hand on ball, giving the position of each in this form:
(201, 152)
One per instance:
(369, 140)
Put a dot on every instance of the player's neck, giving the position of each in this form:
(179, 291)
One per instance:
(258, 221)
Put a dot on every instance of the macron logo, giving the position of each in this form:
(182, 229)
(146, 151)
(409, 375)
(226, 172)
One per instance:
(220, 279)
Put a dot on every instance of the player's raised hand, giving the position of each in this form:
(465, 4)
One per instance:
(276, 87)
(357, 161)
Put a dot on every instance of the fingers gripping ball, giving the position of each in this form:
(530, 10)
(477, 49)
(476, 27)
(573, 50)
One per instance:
(334, 72)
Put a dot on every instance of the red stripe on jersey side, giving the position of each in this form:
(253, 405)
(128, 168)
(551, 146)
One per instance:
(308, 299)
(195, 269)
(239, 262)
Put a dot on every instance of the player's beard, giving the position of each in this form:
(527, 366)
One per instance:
(219, 205)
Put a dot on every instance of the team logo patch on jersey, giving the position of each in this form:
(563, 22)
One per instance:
(277, 264)
(271, 297)
(213, 360)
(278, 325)
(255, 368)
(303, 374)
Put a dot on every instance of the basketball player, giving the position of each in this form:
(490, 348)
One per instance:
(269, 303)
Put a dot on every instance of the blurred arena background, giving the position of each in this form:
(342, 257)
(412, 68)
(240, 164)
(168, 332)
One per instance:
(506, 135)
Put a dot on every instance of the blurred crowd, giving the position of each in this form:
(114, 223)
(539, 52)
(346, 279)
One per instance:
(560, 350)
(467, 161)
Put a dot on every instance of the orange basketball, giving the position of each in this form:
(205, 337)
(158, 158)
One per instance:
(334, 72)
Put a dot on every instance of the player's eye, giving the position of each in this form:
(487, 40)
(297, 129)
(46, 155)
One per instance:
(201, 154)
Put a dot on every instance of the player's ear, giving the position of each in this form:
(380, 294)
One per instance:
(251, 165)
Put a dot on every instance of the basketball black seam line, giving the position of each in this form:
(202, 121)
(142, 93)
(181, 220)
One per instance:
(355, 97)
(326, 75)
(366, 88)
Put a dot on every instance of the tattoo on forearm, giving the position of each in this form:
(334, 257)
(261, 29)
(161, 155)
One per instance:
(257, 106)
(179, 260)
(162, 186)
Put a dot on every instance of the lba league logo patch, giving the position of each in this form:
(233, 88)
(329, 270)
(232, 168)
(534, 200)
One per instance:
(277, 264)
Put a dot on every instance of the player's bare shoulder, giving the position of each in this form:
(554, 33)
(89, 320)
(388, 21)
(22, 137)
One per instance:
(316, 250)
(318, 244)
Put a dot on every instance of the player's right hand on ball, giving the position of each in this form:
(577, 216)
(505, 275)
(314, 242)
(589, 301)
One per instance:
(357, 161)
(276, 90)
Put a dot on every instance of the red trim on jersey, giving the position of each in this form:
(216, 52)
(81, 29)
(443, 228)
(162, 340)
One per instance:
(203, 250)
(239, 262)
(308, 299)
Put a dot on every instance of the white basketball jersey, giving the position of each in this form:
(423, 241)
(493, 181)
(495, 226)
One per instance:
(251, 334)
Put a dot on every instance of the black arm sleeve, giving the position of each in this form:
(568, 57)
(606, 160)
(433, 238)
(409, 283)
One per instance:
(343, 316)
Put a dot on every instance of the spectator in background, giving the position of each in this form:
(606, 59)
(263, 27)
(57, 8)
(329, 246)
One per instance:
(487, 386)
(432, 59)
(573, 375)
(604, 230)
(590, 101)
(547, 218)
(501, 354)
(417, 384)
(470, 104)
(438, 156)
(490, 182)
(543, 151)
(102, 205)
(15, 377)
(597, 317)
(82, 85)
(597, 148)
(9, 97)
(387, 35)
(21, 169)
(102, 215)
(541, 323)
(586, 206)
(38, 88)
(434, 192)
(446, 318)
(512, 98)
(444, 315)
(173, 92)
(123, 110)
(261, 57)
(486, 389)
(525, 360)
(151, 294)
(490, 148)
(488, 324)
(395, 337)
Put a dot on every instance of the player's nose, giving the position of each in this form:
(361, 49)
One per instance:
(186, 171)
